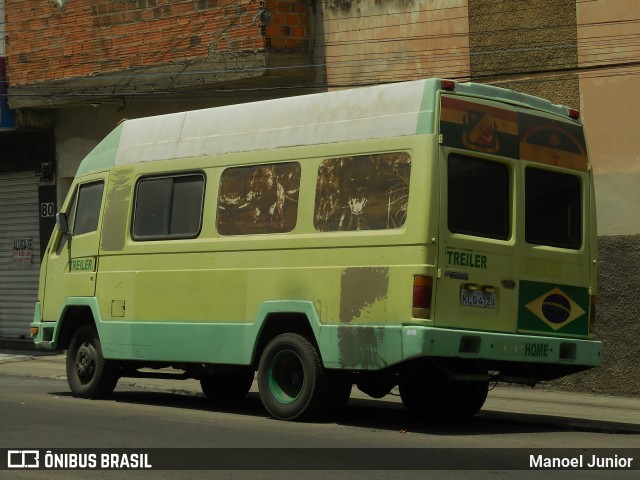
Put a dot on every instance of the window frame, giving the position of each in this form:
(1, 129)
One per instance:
(76, 203)
(509, 197)
(579, 217)
(169, 236)
(72, 212)
(222, 228)
(327, 225)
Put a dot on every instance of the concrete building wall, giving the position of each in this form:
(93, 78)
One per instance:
(609, 84)
(526, 45)
(393, 40)
(617, 321)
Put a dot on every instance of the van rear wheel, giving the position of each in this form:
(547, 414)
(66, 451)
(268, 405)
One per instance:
(227, 388)
(426, 393)
(292, 381)
(89, 375)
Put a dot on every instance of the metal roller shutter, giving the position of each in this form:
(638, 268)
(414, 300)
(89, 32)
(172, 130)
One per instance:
(19, 252)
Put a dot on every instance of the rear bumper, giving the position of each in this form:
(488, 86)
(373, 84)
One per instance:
(419, 341)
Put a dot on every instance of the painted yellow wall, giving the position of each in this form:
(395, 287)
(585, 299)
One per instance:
(607, 33)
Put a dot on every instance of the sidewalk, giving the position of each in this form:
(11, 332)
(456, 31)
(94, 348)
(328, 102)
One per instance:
(568, 410)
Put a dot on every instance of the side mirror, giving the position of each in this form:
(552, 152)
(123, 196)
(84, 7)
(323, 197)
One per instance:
(62, 223)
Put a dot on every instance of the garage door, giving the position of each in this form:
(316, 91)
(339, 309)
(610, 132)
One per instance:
(19, 252)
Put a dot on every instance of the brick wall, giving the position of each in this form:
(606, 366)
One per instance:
(289, 28)
(103, 36)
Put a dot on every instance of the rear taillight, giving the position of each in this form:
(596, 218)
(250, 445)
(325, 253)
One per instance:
(422, 294)
(448, 85)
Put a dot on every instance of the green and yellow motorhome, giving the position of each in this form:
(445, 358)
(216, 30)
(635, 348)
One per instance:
(430, 235)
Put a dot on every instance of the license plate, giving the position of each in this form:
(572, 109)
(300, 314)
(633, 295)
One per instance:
(478, 298)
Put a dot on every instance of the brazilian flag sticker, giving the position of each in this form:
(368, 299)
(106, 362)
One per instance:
(553, 308)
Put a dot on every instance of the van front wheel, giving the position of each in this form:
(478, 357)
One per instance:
(292, 381)
(89, 375)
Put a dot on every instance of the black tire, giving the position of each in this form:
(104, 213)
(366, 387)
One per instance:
(426, 393)
(89, 375)
(292, 381)
(227, 388)
(339, 394)
(470, 398)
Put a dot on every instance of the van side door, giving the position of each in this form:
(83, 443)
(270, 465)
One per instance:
(73, 257)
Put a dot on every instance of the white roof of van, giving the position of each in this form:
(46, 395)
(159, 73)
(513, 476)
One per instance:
(381, 111)
(345, 115)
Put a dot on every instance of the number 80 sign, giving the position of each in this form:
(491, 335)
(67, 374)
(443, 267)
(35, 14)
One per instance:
(47, 209)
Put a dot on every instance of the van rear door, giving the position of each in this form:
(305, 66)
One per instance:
(478, 264)
(477, 261)
(556, 269)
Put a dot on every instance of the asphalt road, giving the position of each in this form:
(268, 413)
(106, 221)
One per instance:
(39, 413)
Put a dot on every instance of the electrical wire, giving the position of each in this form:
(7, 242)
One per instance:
(347, 67)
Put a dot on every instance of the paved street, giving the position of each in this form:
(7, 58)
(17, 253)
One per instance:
(574, 411)
(37, 411)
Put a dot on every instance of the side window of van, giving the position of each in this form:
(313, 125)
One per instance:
(478, 197)
(258, 199)
(168, 207)
(364, 192)
(87, 209)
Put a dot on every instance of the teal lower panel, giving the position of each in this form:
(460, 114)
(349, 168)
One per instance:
(349, 347)
(179, 342)
(206, 342)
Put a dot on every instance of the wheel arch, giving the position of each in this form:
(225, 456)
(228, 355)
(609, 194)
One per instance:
(76, 312)
(277, 317)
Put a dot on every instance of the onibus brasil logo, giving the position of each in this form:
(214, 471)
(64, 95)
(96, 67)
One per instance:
(56, 460)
